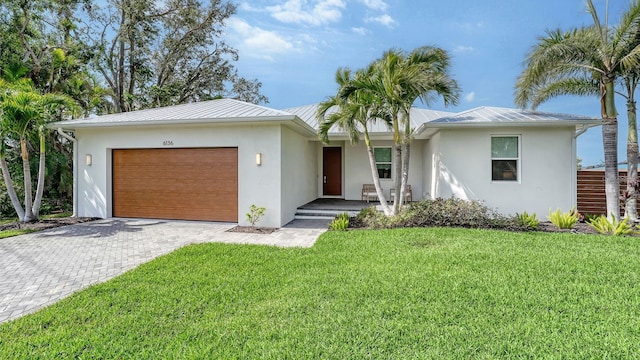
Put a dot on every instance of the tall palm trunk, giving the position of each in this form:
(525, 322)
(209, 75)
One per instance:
(376, 180)
(610, 146)
(28, 200)
(406, 148)
(41, 169)
(631, 206)
(11, 191)
(397, 181)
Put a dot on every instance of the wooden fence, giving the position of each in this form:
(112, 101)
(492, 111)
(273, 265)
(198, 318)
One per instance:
(591, 196)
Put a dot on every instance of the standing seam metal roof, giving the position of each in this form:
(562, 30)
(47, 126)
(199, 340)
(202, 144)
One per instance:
(212, 109)
(230, 110)
(418, 117)
(496, 115)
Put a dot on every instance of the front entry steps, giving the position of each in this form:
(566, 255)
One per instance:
(321, 214)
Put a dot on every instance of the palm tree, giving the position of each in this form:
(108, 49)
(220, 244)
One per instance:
(630, 81)
(569, 62)
(352, 111)
(23, 113)
(397, 80)
(86, 90)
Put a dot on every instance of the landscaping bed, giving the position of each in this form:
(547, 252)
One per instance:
(44, 223)
(253, 229)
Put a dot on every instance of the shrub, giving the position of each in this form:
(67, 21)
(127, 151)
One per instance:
(528, 221)
(255, 214)
(368, 217)
(589, 217)
(341, 223)
(563, 220)
(440, 212)
(611, 226)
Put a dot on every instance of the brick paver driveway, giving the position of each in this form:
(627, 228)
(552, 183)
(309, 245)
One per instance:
(41, 268)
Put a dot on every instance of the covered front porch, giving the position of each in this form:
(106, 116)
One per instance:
(328, 208)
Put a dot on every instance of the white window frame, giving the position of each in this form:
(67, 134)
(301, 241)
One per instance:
(518, 159)
(384, 162)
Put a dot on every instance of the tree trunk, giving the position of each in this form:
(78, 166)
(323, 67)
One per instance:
(11, 191)
(120, 103)
(631, 206)
(610, 147)
(376, 181)
(406, 147)
(28, 201)
(405, 170)
(397, 175)
(41, 170)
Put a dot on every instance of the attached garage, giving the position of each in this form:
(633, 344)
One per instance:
(181, 184)
(206, 161)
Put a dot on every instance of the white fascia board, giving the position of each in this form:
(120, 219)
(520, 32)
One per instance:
(72, 125)
(528, 124)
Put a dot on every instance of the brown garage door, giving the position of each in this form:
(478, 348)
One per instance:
(185, 184)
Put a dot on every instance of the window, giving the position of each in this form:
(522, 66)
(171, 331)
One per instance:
(505, 156)
(383, 161)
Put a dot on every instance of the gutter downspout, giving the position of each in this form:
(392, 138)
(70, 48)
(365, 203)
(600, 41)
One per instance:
(75, 169)
(574, 163)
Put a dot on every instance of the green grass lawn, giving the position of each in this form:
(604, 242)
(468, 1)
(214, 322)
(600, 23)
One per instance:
(16, 232)
(407, 293)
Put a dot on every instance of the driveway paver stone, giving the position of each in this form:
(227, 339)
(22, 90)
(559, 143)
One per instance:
(41, 268)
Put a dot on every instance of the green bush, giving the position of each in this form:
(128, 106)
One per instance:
(563, 220)
(255, 214)
(611, 226)
(528, 221)
(367, 218)
(589, 217)
(341, 223)
(440, 212)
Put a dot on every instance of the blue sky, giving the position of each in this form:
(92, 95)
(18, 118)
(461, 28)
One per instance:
(295, 46)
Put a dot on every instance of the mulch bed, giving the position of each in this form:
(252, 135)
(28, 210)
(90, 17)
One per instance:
(578, 228)
(43, 224)
(253, 229)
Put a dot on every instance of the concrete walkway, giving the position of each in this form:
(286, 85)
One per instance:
(41, 268)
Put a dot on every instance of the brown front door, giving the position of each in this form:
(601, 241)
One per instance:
(332, 171)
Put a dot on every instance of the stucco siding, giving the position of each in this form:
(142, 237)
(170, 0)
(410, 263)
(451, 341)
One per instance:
(299, 172)
(461, 167)
(258, 185)
(358, 171)
(431, 156)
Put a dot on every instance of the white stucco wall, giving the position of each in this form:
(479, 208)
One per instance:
(431, 151)
(299, 172)
(461, 167)
(258, 185)
(357, 170)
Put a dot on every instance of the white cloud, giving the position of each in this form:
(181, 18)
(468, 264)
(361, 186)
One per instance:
(375, 4)
(470, 97)
(359, 30)
(247, 7)
(461, 49)
(470, 27)
(385, 20)
(297, 12)
(257, 41)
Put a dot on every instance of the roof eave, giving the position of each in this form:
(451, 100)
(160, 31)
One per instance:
(70, 125)
(553, 123)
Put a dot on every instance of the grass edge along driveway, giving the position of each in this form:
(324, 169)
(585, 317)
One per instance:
(405, 293)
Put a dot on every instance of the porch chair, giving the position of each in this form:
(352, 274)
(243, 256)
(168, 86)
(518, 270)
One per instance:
(408, 194)
(369, 192)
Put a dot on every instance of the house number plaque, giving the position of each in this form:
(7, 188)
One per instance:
(167, 143)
